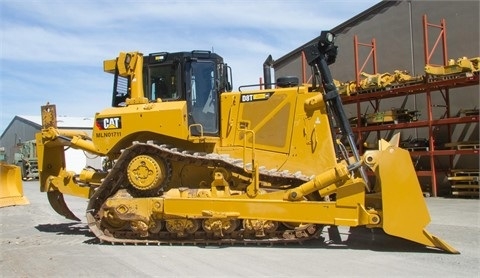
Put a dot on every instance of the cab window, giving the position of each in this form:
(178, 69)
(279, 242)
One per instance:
(162, 83)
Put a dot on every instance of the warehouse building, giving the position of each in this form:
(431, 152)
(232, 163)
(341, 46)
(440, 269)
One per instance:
(407, 35)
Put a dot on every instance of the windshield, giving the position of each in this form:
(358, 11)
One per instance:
(202, 98)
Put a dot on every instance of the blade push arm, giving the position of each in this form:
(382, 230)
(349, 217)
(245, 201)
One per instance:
(74, 139)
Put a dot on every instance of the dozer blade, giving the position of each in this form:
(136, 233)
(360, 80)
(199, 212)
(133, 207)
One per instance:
(58, 204)
(405, 212)
(11, 186)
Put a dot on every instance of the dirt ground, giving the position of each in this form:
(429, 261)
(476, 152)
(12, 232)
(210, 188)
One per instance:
(36, 242)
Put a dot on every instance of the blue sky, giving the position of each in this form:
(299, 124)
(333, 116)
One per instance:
(53, 51)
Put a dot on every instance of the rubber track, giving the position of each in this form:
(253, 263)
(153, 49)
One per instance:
(116, 180)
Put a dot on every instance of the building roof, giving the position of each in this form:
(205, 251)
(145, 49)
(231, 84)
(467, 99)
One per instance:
(342, 27)
(62, 121)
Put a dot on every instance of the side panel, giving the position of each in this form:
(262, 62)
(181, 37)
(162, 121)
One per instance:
(270, 115)
(288, 136)
(312, 148)
(115, 124)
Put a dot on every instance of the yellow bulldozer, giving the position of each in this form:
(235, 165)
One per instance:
(11, 185)
(189, 160)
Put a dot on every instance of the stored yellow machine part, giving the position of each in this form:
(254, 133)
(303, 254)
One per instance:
(187, 160)
(377, 81)
(11, 186)
(460, 65)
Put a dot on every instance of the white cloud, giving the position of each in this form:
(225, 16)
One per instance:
(53, 50)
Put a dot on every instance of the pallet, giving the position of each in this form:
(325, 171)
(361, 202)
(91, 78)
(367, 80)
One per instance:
(465, 172)
(465, 186)
(466, 145)
(464, 179)
(468, 112)
(464, 182)
(465, 193)
(417, 149)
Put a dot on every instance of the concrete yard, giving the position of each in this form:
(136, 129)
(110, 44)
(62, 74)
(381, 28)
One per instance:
(36, 242)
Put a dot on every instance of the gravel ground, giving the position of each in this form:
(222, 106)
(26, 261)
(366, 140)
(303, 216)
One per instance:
(36, 242)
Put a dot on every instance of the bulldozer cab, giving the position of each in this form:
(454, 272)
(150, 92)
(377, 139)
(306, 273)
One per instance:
(197, 77)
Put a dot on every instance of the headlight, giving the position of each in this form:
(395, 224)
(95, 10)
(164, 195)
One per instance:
(326, 38)
(330, 37)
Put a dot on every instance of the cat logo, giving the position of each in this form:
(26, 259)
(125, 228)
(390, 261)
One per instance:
(109, 123)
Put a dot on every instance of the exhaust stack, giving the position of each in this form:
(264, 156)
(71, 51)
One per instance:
(267, 76)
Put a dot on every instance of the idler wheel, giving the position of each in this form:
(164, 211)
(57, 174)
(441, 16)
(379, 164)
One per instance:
(146, 173)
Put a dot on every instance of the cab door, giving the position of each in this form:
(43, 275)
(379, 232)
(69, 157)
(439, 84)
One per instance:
(202, 97)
